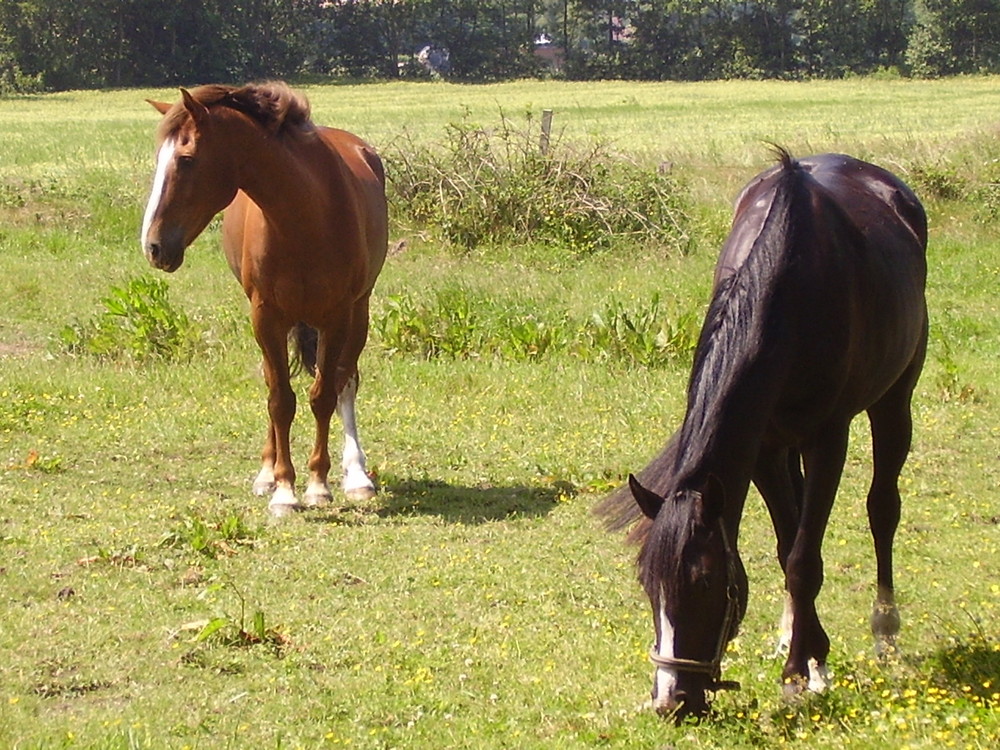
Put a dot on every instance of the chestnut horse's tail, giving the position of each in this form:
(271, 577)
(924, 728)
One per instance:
(304, 341)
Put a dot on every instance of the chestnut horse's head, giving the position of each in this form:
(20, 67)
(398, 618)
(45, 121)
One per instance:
(195, 179)
(697, 587)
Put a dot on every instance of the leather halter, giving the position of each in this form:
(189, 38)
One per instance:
(712, 668)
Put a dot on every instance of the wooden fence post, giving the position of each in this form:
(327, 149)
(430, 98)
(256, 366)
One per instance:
(543, 140)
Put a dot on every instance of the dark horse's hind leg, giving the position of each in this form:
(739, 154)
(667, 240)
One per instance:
(892, 429)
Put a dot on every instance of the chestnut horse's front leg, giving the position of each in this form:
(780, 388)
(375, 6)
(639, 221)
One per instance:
(277, 470)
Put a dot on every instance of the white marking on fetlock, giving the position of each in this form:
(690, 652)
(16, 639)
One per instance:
(785, 628)
(819, 677)
(283, 502)
(264, 484)
(317, 495)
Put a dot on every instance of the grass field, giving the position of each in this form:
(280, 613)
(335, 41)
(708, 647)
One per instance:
(148, 601)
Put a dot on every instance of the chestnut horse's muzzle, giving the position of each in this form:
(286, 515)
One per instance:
(165, 251)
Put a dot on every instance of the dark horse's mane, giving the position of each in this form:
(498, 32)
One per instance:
(730, 337)
(274, 106)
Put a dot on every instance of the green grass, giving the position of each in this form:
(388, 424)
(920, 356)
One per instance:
(148, 601)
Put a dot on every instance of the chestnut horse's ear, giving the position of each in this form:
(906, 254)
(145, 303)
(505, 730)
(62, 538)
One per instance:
(648, 501)
(161, 107)
(196, 109)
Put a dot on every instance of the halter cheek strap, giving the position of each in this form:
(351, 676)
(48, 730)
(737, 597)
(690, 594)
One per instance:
(712, 668)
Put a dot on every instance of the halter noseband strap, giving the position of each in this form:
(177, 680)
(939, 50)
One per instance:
(713, 668)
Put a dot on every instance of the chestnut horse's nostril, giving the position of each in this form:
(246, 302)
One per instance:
(153, 250)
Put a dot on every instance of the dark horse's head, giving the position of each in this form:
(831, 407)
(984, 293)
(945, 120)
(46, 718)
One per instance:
(692, 573)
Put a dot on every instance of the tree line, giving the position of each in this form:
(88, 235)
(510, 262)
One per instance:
(64, 44)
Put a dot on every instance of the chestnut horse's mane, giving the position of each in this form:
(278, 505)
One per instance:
(274, 106)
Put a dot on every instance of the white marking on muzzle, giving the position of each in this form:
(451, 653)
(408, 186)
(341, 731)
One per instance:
(666, 679)
(163, 160)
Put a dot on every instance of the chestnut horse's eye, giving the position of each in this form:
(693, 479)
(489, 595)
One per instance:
(185, 161)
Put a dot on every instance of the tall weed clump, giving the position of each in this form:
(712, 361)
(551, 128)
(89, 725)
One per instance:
(137, 323)
(489, 187)
(460, 323)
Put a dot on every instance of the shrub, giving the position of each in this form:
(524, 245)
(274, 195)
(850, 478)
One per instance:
(137, 323)
(935, 181)
(483, 187)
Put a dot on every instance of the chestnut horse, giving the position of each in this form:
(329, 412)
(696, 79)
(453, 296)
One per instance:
(305, 231)
(817, 314)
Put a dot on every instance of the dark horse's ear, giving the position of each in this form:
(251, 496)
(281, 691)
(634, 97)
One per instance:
(712, 499)
(196, 109)
(648, 501)
(161, 107)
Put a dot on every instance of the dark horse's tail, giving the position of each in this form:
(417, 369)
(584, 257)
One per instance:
(304, 341)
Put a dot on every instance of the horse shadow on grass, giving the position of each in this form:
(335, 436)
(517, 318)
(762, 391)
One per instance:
(453, 503)
(969, 666)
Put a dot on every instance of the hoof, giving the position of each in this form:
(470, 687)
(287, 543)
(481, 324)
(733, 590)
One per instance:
(357, 485)
(283, 503)
(318, 497)
(263, 483)
(360, 494)
(794, 688)
(283, 510)
(885, 647)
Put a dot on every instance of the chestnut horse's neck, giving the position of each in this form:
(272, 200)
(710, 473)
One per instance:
(288, 177)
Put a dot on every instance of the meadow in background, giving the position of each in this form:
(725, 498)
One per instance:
(512, 378)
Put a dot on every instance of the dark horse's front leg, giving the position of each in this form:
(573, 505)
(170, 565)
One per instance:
(823, 461)
(778, 478)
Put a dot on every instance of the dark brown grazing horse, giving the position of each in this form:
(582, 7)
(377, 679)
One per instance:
(304, 230)
(817, 314)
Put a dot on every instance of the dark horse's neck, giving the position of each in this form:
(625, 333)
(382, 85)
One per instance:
(735, 380)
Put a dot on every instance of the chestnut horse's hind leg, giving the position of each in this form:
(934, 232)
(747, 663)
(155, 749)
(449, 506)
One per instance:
(892, 431)
(264, 484)
(277, 470)
(357, 484)
(335, 389)
(323, 400)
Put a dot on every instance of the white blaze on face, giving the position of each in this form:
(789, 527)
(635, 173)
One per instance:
(666, 679)
(163, 160)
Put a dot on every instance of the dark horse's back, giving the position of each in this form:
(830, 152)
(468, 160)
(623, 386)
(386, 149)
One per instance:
(813, 304)
(849, 274)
